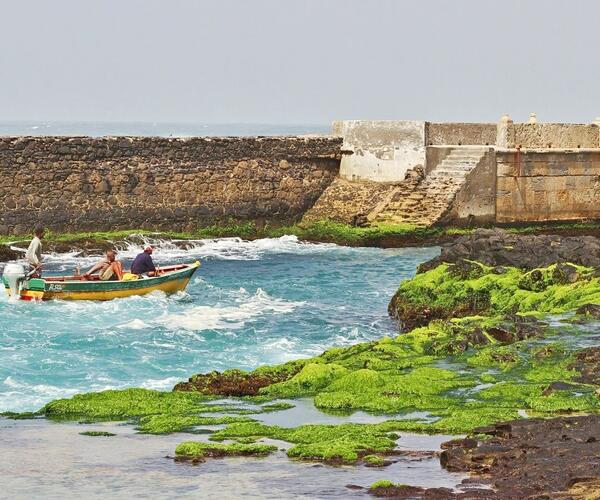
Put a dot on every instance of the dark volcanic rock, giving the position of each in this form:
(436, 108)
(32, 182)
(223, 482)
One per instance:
(403, 491)
(514, 327)
(587, 363)
(532, 457)
(495, 247)
(592, 310)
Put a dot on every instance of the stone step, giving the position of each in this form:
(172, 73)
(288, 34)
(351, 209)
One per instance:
(459, 161)
(455, 168)
(433, 196)
(462, 157)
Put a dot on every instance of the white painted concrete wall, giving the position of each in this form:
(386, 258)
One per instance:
(382, 151)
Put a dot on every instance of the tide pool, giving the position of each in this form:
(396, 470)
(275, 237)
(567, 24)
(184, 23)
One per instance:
(251, 303)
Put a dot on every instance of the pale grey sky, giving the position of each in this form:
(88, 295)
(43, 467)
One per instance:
(299, 61)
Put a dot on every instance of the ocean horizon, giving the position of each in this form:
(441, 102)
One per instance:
(155, 129)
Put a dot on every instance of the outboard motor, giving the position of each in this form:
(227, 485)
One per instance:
(14, 274)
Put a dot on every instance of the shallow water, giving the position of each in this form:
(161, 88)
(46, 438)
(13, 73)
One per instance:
(251, 303)
(50, 460)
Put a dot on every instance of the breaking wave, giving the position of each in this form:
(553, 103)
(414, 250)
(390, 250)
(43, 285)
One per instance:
(228, 317)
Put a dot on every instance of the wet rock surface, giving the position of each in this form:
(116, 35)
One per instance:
(496, 247)
(535, 458)
(531, 458)
(591, 310)
(587, 363)
(231, 383)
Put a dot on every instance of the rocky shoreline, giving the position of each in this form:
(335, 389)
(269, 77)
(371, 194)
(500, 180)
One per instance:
(497, 247)
(455, 241)
(532, 458)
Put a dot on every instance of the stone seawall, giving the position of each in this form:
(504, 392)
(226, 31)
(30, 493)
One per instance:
(546, 185)
(83, 183)
(461, 134)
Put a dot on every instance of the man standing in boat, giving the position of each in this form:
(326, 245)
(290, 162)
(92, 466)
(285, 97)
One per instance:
(143, 263)
(34, 253)
(108, 269)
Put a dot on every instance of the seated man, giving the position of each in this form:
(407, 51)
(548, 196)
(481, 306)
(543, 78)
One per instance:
(108, 268)
(143, 263)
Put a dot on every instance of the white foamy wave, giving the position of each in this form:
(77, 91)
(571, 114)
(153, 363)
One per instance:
(170, 251)
(228, 317)
(160, 384)
(134, 324)
(220, 248)
(22, 395)
(282, 350)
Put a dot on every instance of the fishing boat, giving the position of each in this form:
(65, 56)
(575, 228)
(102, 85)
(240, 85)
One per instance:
(169, 279)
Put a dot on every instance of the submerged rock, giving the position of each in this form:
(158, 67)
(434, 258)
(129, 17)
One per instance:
(97, 433)
(387, 489)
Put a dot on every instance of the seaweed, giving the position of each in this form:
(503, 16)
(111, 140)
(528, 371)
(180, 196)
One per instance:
(199, 451)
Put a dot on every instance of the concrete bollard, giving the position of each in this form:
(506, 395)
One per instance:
(502, 131)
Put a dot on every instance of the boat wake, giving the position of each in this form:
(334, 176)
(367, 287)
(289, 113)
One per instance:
(231, 317)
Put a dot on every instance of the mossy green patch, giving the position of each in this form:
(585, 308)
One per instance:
(166, 424)
(383, 483)
(443, 293)
(199, 450)
(273, 407)
(420, 388)
(126, 404)
(308, 381)
(374, 460)
(343, 443)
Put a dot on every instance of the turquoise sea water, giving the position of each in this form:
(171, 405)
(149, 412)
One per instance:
(252, 303)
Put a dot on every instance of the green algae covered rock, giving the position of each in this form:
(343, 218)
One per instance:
(125, 404)
(166, 424)
(442, 293)
(344, 443)
(374, 460)
(198, 451)
(309, 380)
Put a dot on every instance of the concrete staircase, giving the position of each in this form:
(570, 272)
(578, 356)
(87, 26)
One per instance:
(432, 198)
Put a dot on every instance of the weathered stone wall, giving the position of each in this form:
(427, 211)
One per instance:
(74, 184)
(461, 134)
(553, 135)
(380, 151)
(434, 155)
(475, 203)
(537, 186)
